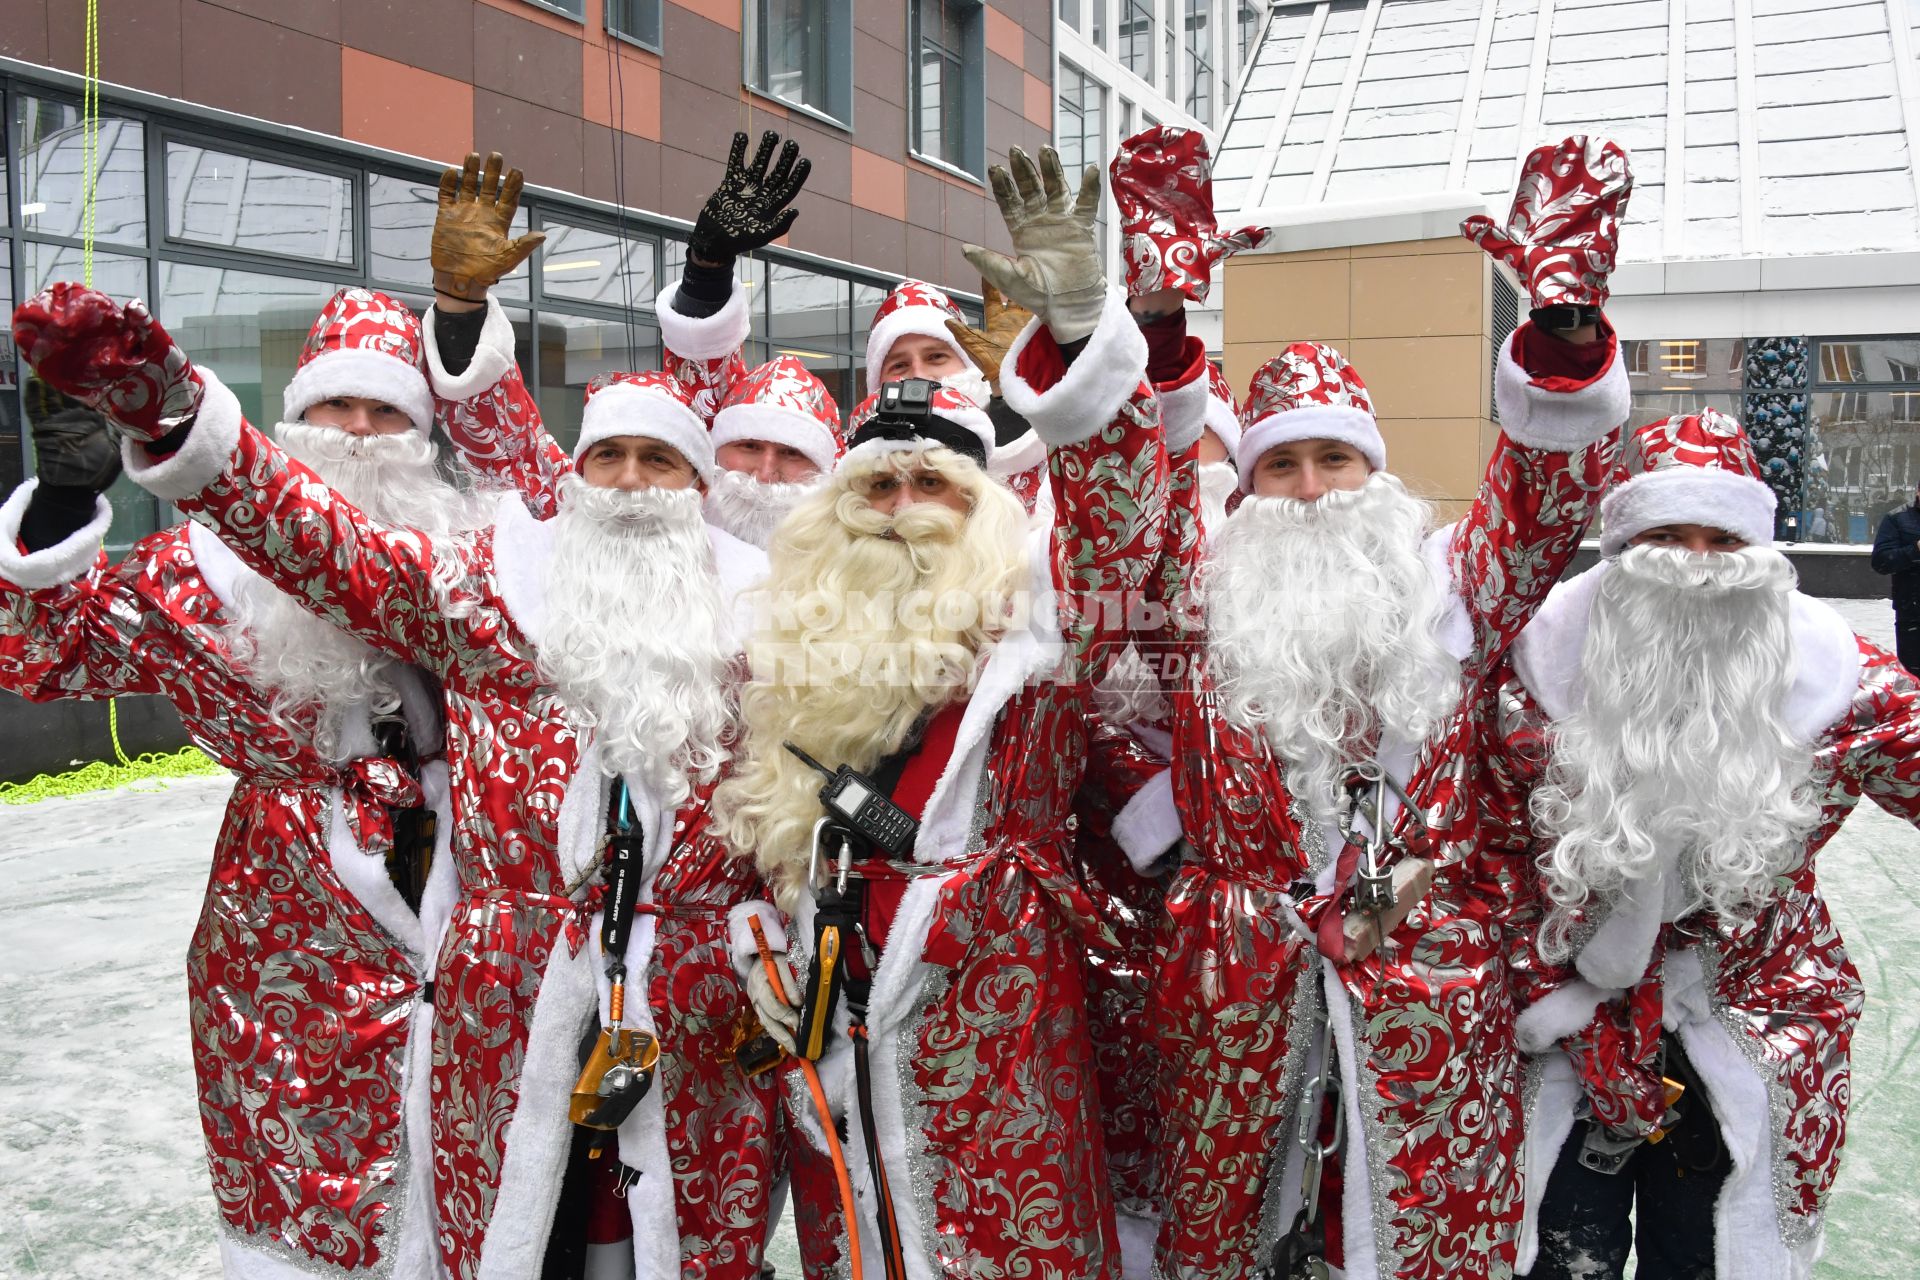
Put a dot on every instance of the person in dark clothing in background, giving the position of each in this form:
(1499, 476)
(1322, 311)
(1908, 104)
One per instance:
(1896, 552)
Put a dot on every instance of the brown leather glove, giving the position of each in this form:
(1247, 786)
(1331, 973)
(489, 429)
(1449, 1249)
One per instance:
(471, 248)
(988, 347)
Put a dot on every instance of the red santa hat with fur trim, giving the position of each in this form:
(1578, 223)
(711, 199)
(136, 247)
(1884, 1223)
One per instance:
(952, 420)
(914, 307)
(1693, 469)
(655, 405)
(367, 345)
(1307, 392)
(783, 402)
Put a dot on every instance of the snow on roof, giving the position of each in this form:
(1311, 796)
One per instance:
(1757, 128)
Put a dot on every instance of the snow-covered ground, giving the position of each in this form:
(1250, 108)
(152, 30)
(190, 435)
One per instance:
(101, 1171)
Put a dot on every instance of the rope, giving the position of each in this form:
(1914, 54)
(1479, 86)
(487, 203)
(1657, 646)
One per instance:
(90, 128)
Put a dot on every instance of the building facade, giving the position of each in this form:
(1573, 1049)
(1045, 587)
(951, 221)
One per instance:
(1771, 249)
(254, 155)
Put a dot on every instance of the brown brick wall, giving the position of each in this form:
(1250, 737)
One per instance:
(435, 78)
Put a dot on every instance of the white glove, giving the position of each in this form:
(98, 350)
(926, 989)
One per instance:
(779, 1011)
(1055, 271)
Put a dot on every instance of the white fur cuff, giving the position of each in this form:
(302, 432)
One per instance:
(491, 359)
(1184, 408)
(1224, 423)
(55, 566)
(1108, 370)
(1559, 421)
(1149, 824)
(703, 337)
(204, 458)
(1718, 499)
(741, 946)
(1559, 1014)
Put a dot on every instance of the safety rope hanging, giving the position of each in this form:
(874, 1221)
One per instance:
(187, 762)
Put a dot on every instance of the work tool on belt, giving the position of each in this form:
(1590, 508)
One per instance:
(1301, 1254)
(415, 829)
(619, 1069)
(861, 816)
(1384, 891)
(1696, 1146)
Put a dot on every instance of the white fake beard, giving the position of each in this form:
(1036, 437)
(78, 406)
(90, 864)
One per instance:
(1218, 483)
(867, 622)
(1680, 741)
(750, 509)
(637, 641)
(972, 384)
(308, 666)
(1323, 622)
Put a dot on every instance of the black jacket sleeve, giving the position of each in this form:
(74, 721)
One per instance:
(1895, 549)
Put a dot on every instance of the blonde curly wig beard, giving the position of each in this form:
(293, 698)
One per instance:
(867, 622)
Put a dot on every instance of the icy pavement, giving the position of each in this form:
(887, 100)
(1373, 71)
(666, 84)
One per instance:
(101, 1168)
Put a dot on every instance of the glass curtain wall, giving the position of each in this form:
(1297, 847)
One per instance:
(238, 238)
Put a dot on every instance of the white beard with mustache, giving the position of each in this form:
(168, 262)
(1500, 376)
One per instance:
(308, 666)
(1323, 622)
(1218, 483)
(637, 642)
(749, 508)
(1680, 743)
(868, 622)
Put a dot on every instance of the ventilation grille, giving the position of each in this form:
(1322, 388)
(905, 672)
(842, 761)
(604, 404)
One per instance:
(1506, 318)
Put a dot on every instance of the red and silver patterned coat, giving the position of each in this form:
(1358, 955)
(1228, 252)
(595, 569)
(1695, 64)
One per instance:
(516, 988)
(305, 968)
(987, 1119)
(1431, 1081)
(1765, 1010)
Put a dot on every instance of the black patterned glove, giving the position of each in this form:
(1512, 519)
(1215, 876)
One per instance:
(749, 210)
(73, 447)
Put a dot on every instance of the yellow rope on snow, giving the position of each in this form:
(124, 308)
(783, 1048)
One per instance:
(188, 761)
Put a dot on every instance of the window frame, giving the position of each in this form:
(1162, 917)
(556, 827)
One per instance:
(558, 10)
(174, 245)
(839, 56)
(624, 37)
(973, 81)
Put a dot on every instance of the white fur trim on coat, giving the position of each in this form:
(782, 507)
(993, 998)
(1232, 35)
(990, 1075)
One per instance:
(1560, 1013)
(1740, 505)
(1101, 379)
(1148, 824)
(204, 458)
(363, 372)
(926, 322)
(65, 561)
(491, 358)
(1018, 456)
(1184, 408)
(625, 409)
(776, 424)
(703, 337)
(1310, 422)
(1549, 1122)
(1558, 421)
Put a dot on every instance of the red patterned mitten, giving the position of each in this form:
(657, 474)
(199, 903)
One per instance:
(1163, 182)
(115, 359)
(1563, 233)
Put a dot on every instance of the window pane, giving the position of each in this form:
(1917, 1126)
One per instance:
(1894, 360)
(636, 19)
(52, 163)
(1070, 13)
(810, 321)
(1652, 406)
(1136, 37)
(12, 459)
(1863, 461)
(113, 273)
(1081, 104)
(590, 264)
(794, 58)
(1249, 24)
(1683, 365)
(248, 328)
(1199, 63)
(242, 202)
(573, 351)
(400, 217)
(941, 87)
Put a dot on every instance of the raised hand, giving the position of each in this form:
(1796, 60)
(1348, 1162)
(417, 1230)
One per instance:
(1563, 233)
(1163, 183)
(987, 346)
(472, 241)
(1055, 271)
(750, 208)
(111, 358)
(73, 447)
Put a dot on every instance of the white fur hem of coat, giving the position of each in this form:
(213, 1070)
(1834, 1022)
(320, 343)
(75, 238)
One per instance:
(1560, 1013)
(1558, 421)
(1148, 824)
(65, 561)
(1549, 1122)
(491, 358)
(206, 455)
(1108, 370)
(1356, 1177)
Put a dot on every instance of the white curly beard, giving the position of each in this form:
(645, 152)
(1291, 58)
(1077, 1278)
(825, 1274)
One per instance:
(637, 641)
(1323, 621)
(750, 509)
(1678, 763)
